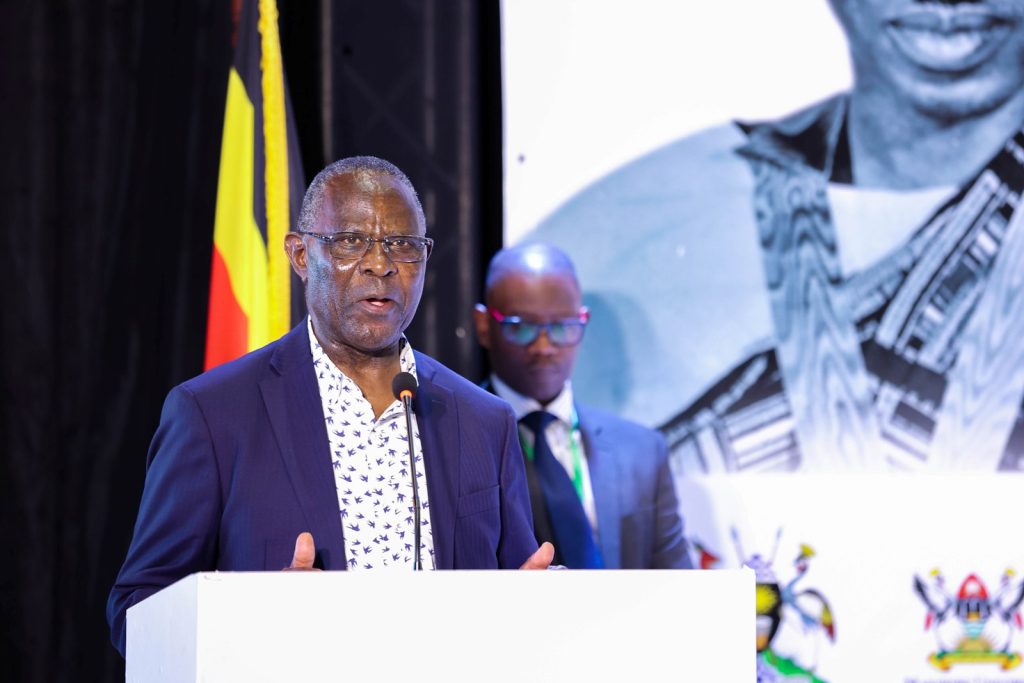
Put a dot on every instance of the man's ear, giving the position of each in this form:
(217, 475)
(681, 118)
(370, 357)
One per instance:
(481, 321)
(296, 250)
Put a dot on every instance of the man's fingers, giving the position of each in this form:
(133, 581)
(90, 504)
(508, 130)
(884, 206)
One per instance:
(305, 552)
(541, 559)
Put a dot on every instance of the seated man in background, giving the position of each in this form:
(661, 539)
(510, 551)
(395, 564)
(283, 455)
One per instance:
(599, 484)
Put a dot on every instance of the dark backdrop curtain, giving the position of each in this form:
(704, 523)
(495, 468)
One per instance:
(110, 128)
(111, 124)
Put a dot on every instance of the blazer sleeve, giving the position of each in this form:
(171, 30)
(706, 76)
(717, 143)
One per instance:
(177, 526)
(669, 543)
(517, 539)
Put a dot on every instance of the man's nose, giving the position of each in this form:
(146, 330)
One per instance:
(377, 261)
(542, 344)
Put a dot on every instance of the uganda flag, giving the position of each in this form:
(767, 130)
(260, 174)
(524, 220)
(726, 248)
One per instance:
(259, 192)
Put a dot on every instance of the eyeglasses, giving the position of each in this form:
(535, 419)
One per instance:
(515, 330)
(352, 246)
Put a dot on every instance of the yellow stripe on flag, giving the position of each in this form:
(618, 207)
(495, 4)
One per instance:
(235, 233)
(275, 137)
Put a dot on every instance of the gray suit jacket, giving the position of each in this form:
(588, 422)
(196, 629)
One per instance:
(638, 519)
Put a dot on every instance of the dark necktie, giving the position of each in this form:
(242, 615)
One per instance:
(574, 539)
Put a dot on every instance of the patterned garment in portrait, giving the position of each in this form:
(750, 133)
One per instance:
(371, 470)
(914, 362)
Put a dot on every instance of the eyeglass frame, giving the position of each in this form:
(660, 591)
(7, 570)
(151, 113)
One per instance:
(369, 241)
(583, 317)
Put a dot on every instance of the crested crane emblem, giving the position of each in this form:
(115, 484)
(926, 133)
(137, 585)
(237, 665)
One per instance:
(970, 625)
(792, 620)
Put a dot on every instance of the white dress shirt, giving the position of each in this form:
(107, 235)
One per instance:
(562, 434)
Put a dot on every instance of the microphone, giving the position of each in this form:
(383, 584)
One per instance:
(404, 386)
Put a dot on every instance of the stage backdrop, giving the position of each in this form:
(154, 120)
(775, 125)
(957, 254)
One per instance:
(796, 226)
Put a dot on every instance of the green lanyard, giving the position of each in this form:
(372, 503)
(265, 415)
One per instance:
(577, 455)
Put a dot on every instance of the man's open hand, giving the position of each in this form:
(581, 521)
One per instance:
(305, 553)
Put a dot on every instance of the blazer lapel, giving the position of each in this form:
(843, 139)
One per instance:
(293, 403)
(605, 476)
(438, 421)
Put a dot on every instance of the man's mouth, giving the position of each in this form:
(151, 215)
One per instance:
(377, 305)
(951, 38)
(544, 368)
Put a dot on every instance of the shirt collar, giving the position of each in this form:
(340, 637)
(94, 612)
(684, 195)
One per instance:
(406, 358)
(814, 137)
(561, 407)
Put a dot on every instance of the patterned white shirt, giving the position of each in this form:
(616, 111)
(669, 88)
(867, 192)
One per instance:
(371, 470)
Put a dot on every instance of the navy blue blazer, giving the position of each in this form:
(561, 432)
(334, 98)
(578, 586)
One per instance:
(240, 465)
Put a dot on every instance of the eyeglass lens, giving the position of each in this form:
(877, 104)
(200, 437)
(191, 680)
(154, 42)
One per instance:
(561, 333)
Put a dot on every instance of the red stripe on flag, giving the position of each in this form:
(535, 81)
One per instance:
(227, 327)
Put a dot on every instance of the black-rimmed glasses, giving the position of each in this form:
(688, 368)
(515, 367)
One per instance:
(567, 332)
(352, 246)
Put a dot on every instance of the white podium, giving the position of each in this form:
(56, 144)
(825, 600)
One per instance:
(447, 626)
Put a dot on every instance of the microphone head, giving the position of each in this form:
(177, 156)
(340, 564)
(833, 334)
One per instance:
(403, 383)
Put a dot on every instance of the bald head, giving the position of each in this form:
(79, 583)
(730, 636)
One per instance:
(530, 285)
(536, 259)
